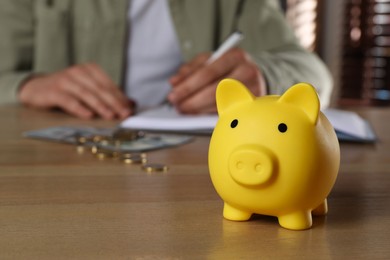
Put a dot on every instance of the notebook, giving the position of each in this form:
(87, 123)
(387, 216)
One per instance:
(349, 126)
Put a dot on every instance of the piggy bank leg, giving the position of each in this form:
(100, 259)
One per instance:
(321, 210)
(232, 213)
(296, 220)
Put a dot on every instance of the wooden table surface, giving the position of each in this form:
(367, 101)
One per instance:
(58, 204)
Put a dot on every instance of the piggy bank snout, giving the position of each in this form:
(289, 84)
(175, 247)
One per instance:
(252, 165)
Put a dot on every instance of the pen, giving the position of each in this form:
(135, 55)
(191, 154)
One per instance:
(233, 40)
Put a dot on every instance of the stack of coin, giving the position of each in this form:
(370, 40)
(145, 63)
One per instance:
(81, 142)
(133, 158)
(104, 154)
(154, 167)
(98, 149)
(126, 135)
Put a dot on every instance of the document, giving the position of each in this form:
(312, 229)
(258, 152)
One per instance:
(349, 126)
(166, 119)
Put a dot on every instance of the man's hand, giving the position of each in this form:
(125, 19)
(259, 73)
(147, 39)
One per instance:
(82, 90)
(195, 83)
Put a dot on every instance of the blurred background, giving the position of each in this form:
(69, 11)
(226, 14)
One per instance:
(353, 38)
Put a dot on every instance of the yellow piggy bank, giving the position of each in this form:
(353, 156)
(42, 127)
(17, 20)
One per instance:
(273, 155)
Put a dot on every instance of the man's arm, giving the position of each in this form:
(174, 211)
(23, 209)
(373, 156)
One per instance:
(83, 90)
(16, 34)
(270, 58)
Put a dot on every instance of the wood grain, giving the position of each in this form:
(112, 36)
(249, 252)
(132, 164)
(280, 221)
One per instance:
(58, 204)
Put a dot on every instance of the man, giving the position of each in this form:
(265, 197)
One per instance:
(105, 58)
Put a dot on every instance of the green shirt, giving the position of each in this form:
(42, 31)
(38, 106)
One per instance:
(41, 36)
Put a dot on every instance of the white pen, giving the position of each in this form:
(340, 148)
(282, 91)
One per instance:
(233, 40)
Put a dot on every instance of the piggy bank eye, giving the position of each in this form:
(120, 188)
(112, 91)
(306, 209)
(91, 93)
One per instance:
(234, 123)
(282, 127)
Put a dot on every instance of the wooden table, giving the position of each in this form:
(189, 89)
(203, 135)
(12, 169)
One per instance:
(56, 203)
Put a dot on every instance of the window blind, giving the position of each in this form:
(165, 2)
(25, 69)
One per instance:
(303, 16)
(365, 72)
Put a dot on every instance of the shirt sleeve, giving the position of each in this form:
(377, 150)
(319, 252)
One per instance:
(277, 52)
(16, 47)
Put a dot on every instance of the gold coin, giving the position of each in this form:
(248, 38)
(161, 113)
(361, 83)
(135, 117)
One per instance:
(99, 142)
(105, 141)
(130, 154)
(80, 148)
(98, 138)
(94, 149)
(132, 158)
(81, 139)
(104, 154)
(154, 167)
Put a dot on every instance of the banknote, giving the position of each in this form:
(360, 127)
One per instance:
(107, 140)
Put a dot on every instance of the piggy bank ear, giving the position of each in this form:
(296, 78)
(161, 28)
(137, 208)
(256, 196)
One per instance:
(304, 96)
(231, 92)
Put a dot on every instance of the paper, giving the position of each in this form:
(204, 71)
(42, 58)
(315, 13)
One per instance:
(349, 126)
(166, 118)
